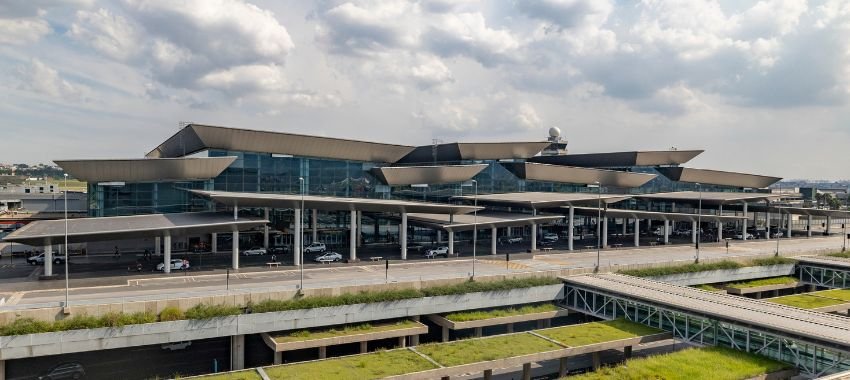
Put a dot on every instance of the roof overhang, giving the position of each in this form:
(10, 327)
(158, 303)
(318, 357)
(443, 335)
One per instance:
(454, 152)
(541, 200)
(195, 137)
(431, 175)
(146, 169)
(716, 177)
(621, 159)
(653, 215)
(490, 220)
(708, 198)
(806, 211)
(293, 201)
(570, 174)
(129, 227)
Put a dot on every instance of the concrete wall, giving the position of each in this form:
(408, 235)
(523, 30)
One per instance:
(728, 275)
(32, 345)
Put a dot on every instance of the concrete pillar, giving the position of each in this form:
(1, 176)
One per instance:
(266, 229)
(359, 228)
(314, 224)
(627, 352)
(562, 368)
(237, 352)
(744, 227)
(604, 232)
(625, 229)
(478, 332)
(352, 250)
(637, 232)
(488, 374)
(809, 226)
(597, 361)
(278, 357)
(402, 232)
(297, 246)
(440, 236)
(364, 347)
(402, 342)
(157, 249)
(451, 243)
(414, 339)
(570, 228)
(493, 236)
(526, 371)
(167, 258)
(323, 352)
(445, 335)
(828, 224)
(533, 237)
(510, 328)
(235, 258)
(213, 242)
(666, 232)
(720, 224)
(694, 229)
(48, 258)
(788, 231)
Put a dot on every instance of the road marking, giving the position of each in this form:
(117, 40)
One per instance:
(35, 273)
(16, 296)
(367, 268)
(510, 264)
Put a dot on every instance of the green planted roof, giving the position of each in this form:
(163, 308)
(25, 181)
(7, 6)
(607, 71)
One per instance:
(359, 367)
(597, 332)
(763, 282)
(485, 349)
(806, 301)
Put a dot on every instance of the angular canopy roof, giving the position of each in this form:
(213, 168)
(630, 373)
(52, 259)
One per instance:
(293, 201)
(130, 227)
(654, 215)
(454, 152)
(621, 159)
(432, 175)
(570, 174)
(146, 169)
(468, 222)
(709, 198)
(717, 177)
(543, 200)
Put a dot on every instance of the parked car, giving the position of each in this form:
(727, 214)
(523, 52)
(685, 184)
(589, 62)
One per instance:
(177, 346)
(777, 234)
(254, 251)
(175, 264)
(550, 237)
(315, 247)
(64, 371)
(328, 257)
(439, 251)
(278, 250)
(740, 236)
(515, 239)
(39, 259)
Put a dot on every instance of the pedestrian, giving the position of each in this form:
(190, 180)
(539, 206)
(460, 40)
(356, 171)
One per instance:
(274, 258)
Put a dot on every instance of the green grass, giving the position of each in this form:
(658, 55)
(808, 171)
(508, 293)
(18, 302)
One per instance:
(845, 255)
(476, 315)
(239, 375)
(483, 349)
(694, 268)
(597, 332)
(24, 326)
(207, 311)
(805, 301)
(839, 294)
(707, 287)
(713, 363)
(763, 282)
(364, 328)
(359, 367)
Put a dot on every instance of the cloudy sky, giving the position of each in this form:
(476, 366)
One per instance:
(762, 86)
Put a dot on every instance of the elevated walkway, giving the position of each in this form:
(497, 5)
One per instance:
(825, 271)
(816, 343)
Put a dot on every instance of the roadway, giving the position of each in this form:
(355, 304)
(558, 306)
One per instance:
(23, 293)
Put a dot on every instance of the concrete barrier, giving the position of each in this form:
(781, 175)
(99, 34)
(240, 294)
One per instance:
(727, 275)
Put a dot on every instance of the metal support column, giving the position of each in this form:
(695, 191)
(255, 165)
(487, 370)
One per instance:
(48, 258)
(451, 243)
(720, 224)
(167, 258)
(352, 250)
(213, 242)
(266, 229)
(666, 232)
(359, 228)
(744, 228)
(297, 246)
(637, 232)
(157, 249)
(235, 253)
(788, 231)
(694, 229)
(533, 237)
(605, 232)
(809, 227)
(493, 235)
(314, 224)
(570, 228)
(402, 232)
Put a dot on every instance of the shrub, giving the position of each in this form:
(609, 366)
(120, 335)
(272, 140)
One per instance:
(171, 314)
(25, 326)
(693, 268)
(776, 260)
(121, 319)
(77, 322)
(206, 311)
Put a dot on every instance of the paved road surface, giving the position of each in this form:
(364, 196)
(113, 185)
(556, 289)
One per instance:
(177, 285)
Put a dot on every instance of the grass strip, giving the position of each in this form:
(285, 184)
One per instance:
(477, 315)
(839, 294)
(806, 301)
(597, 332)
(483, 349)
(239, 375)
(845, 255)
(713, 363)
(363, 328)
(707, 287)
(785, 280)
(702, 267)
(359, 367)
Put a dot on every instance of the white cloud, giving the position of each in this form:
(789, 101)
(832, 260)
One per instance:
(39, 78)
(32, 8)
(106, 32)
(568, 14)
(368, 27)
(526, 117)
(467, 34)
(245, 79)
(22, 31)
(431, 72)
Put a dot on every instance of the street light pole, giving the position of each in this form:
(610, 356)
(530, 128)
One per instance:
(475, 227)
(66, 240)
(598, 225)
(699, 222)
(300, 252)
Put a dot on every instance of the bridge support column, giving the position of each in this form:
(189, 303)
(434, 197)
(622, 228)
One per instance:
(402, 235)
(235, 254)
(597, 361)
(297, 245)
(278, 357)
(744, 228)
(414, 339)
(510, 328)
(526, 371)
(451, 243)
(364, 347)
(48, 258)
(562, 367)
(213, 242)
(478, 332)
(809, 226)
(352, 242)
(445, 334)
(494, 232)
(323, 352)
(627, 352)
(488, 374)
(637, 232)
(166, 260)
(266, 228)
(237, 352)
(570, 227)
(605, 232)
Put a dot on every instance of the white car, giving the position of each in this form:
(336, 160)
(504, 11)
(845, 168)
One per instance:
(515, 239)
(315, 247)
(254, 251)
(741, 236)
(439, 251)
(175, 265)
(550, 237)
(328, 257)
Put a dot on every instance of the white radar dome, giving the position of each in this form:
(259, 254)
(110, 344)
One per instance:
(555, 132)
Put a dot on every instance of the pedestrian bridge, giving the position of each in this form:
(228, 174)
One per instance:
(825, 271)
(816, 343)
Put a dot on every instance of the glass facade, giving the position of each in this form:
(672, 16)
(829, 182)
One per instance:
(120, 199)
